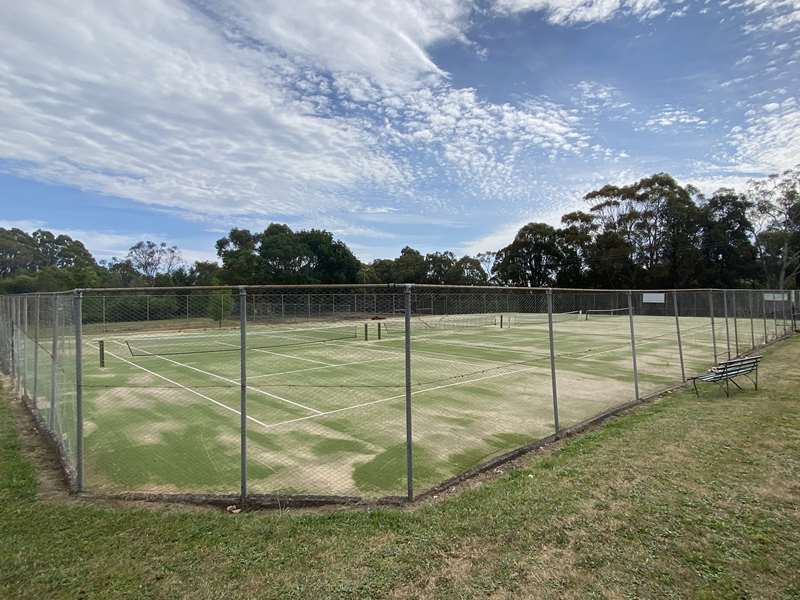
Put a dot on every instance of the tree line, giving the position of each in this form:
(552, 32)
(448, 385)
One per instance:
(654, 233)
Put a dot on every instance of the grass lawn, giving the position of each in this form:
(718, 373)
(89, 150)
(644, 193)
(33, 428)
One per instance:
(679, 498)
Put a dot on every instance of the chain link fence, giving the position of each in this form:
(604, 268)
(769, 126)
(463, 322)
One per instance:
(344, 393)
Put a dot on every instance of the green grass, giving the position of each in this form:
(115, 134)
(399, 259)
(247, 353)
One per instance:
(682, 498)
(328, 418)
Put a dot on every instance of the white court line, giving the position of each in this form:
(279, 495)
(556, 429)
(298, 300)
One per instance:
(358, 362)
(167, 379)
(233, 381)
(398, 396)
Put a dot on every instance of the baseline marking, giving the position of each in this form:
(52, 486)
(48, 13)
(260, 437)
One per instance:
(233, 381)
(190, 390)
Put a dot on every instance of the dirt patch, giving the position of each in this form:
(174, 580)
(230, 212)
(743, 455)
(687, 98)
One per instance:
(50, 478)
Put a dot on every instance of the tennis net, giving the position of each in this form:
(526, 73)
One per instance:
(229, 341)
(457, 321)
(542, 319)
(600, 313)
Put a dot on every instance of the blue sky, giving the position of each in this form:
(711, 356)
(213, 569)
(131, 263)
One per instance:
(441, 125)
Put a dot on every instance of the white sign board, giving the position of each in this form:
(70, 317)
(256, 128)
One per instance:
(776, 297)
(653, 298)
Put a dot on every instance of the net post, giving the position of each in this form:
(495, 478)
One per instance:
(53, 367)
(243, 395)
(36, 305)
(633, 346)
(727, 327)
(735, 321)
(678, 332)
(752, 321)
(409, 434)
(501, 320)
(379, 330)
(366, 332)
(553, 379)
(77, 305)
(713, 324)
(101, 348)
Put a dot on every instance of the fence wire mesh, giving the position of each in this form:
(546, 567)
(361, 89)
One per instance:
(348, 391)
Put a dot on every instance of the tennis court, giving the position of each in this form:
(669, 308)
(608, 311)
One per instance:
(326, 378)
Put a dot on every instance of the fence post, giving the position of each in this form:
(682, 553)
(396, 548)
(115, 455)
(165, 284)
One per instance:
(752, 322)
(633, 346)
(77, 301)
(678, 332)
(13, 343)
(36, 352)
(243, 394)
(783, 311)
(775, 314)
(764, 315)
(735, 321)
(24, 330)
(552, 359)
(713, 325)
(18, 328)
(727, 327)
(409, 436)
(53, 368)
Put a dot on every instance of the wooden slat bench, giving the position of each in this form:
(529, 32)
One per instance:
(727, 371)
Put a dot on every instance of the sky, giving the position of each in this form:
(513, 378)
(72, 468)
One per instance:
(441, 125)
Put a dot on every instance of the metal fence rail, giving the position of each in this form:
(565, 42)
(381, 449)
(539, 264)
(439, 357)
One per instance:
(348, 392)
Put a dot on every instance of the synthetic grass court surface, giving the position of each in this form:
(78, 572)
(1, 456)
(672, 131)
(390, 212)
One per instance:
(328, 417)
(682, 498)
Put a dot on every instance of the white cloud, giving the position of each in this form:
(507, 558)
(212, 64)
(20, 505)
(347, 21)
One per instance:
(570, 12)
(671, 117)
(226, 111)
(773, 14)
(770, 139)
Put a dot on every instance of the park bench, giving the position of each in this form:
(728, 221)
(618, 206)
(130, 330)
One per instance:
(727, 371)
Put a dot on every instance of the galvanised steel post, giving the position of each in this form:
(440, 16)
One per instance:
(552, 358)
(727, 327)
(77, 302)
(53, 367)
(735, 321)
(24, 330)
(633, 346)
(36, 351)
(752, 321)
(678, 332)
(713, 325)
(243, 394)
(775, 313)
(409, 435)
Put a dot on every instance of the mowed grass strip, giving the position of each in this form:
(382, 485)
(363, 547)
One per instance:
(679, 498)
